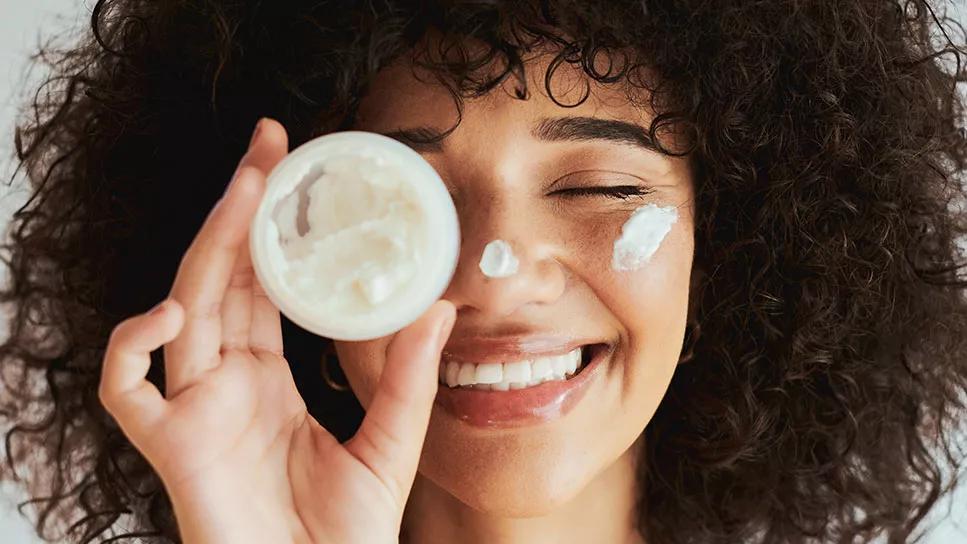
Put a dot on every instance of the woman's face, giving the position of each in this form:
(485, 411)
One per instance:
(526, 172)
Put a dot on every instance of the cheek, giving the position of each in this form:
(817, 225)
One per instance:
(363, 362)
(642, 299)
(649, 305)
(658, 289)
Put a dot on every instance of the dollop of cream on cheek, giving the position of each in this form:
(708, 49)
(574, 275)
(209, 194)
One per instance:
(498, 260)
(641, 235)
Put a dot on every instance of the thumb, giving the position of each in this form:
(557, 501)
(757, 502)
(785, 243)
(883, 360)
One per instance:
(390, 439)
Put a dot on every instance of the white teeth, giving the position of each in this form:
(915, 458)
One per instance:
(467, 374)
(574, 360)
(540, 369)
(510, 375)
(453, 372)
(490, 373)
(517, 372)
(560, 364)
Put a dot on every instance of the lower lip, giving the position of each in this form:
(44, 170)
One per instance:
(519, 407)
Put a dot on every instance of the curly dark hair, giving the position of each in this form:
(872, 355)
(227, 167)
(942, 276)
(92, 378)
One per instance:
(829, 378)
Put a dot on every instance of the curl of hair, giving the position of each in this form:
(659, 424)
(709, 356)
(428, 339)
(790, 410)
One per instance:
(823, 398)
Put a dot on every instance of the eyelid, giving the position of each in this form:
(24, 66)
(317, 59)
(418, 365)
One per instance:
(609, 191)
(597, 177)
(599, 182)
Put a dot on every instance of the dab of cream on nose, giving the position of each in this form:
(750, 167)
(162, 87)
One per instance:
(498, 260)
(641, 235)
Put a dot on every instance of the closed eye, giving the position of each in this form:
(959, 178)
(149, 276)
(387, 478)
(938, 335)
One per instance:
(622, 192)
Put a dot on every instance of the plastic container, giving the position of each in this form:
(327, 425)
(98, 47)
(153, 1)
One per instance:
(358, 282)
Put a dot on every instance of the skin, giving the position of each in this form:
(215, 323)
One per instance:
(258, 459)
(571, 479)
(411, 473)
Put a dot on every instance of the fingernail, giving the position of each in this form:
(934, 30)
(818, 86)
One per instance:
(255, 133)
(160, 307)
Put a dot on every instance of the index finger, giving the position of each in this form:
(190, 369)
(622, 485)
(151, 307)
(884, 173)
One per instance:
(203, 277)
(205, 270)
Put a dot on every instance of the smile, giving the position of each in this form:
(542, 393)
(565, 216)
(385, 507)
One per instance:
(518, 392)
(512, 374)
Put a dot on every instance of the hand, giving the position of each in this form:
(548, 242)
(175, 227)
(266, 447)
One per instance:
(239, 455)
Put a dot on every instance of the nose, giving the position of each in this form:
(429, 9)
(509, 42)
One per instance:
(539, 279)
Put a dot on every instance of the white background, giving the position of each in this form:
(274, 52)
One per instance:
(23, 23)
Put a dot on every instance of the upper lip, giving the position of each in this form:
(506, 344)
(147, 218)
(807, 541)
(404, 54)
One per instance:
(483, 349)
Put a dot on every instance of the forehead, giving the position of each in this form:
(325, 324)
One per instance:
(405, 95)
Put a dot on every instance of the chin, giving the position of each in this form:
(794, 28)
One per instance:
(509, 478)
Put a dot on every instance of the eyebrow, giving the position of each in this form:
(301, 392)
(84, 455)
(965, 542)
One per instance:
(556, 129)
(593, 128)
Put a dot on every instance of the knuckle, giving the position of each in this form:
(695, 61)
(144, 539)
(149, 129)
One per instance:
(118, 333)
(209, 311)
(265, 354)
(258, 290)
(242, 278)
(232, 345)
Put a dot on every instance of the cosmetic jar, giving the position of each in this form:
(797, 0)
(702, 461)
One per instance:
(355, 236)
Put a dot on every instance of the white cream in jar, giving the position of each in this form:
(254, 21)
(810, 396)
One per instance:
(355, 237)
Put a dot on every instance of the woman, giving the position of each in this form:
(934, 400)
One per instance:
(787, 367)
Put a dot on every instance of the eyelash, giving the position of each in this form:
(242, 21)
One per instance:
(621, 192)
